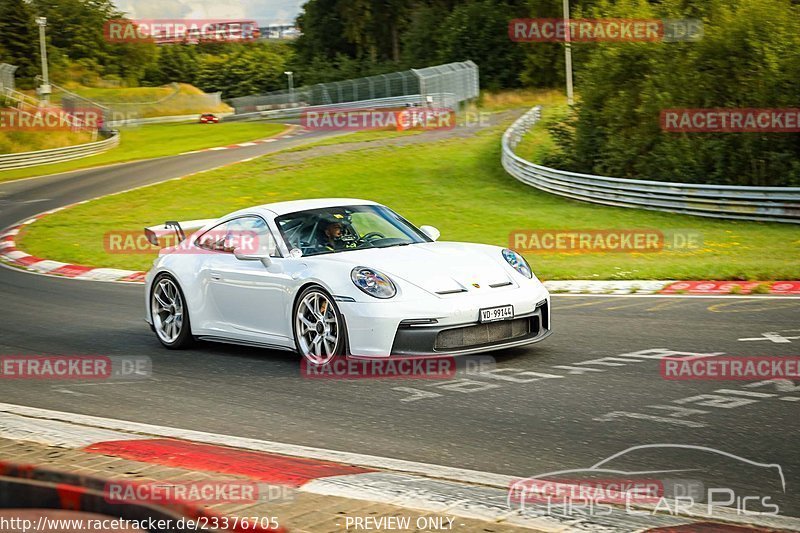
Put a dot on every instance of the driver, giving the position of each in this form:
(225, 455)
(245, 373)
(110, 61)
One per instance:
(332, 233)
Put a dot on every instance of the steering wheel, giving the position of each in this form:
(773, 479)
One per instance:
(373, 235)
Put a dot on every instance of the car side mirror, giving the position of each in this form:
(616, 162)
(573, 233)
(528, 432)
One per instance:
(431, 232)
(244, 255)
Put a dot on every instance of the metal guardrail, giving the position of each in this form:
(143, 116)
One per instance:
(441, 86)
(297, 112)
(774, 204)
(194, 117)
(28, 104)
(57, 155)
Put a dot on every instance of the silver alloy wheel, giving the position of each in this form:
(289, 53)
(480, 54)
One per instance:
(167, 309)
(317, 328)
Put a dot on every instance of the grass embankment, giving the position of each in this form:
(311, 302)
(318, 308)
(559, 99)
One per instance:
(12, 142)
(456, 184)
(143, 102)
(538, 142)
(158, 140)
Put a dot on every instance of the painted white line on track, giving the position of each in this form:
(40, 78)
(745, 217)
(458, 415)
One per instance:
(98, 167)
(371, 461)
(54, 433)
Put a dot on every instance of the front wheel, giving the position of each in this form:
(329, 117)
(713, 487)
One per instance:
(318, 327)
(169, 313)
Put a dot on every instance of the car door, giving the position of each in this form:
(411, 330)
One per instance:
(248, 298)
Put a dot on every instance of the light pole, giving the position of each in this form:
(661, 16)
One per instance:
(44, 88)
(290, 74)
(568, 52)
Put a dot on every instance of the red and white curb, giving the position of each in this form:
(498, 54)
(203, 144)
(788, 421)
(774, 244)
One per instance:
(293, 132)
(425, 487)
(9, 253)
(708, 288)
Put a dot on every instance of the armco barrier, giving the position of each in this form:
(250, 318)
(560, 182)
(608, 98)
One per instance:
(57, 155)
(194, 117)
(774, 204)
(298, 111)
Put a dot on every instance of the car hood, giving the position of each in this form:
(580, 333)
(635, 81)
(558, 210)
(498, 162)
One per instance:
(437, 267)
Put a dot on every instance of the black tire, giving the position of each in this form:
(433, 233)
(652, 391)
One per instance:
(184, 338)
(301, 345)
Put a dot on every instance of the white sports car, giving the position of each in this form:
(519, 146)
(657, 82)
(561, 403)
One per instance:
(334, 277)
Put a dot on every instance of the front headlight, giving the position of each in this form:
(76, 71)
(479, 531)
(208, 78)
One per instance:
(518, 262)
(373, 282)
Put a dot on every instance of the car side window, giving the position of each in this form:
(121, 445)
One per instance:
(213, 239)
(256, 228)
(250, 233)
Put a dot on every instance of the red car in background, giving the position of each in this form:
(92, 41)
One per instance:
(209, 118)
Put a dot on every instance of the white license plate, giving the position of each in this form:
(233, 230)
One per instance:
(491, 314)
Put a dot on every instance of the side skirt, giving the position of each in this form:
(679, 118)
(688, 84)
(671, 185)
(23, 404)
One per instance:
(225, 340)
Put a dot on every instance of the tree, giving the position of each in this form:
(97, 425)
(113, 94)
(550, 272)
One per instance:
(19, 40)
(478, 30)
(737, 64)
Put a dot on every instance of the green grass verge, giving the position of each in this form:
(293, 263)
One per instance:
(538, 142)
(355, 137)
(517, 98)
(148, 101)
(457, 185)
(12, 142)
(158, 140)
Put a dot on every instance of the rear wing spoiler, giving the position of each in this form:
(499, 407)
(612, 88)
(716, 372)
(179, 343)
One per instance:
(173, 232)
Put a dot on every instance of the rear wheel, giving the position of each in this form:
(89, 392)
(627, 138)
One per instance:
(318, 327)
(169, 313)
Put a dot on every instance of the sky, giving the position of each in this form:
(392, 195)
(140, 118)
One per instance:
(263, 11)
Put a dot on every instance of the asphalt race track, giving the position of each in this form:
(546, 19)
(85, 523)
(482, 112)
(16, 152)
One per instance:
(560, 404)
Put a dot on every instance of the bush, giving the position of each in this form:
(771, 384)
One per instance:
(748, 58)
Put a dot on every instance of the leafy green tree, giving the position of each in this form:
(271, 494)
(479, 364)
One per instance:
(747, 58)
(323, 32)
(247, 69)
(478, 30)
(19, 39)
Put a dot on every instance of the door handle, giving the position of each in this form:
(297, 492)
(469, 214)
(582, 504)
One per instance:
(216, 276)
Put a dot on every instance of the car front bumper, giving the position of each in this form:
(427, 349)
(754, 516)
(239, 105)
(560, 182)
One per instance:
(398, 329)
(475, 337)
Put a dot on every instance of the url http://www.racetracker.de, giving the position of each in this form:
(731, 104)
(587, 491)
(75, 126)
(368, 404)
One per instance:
(47, 523)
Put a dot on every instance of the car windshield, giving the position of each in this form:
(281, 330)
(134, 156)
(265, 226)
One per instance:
(339, 229)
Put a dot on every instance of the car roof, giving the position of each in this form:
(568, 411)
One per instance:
(282, 208)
